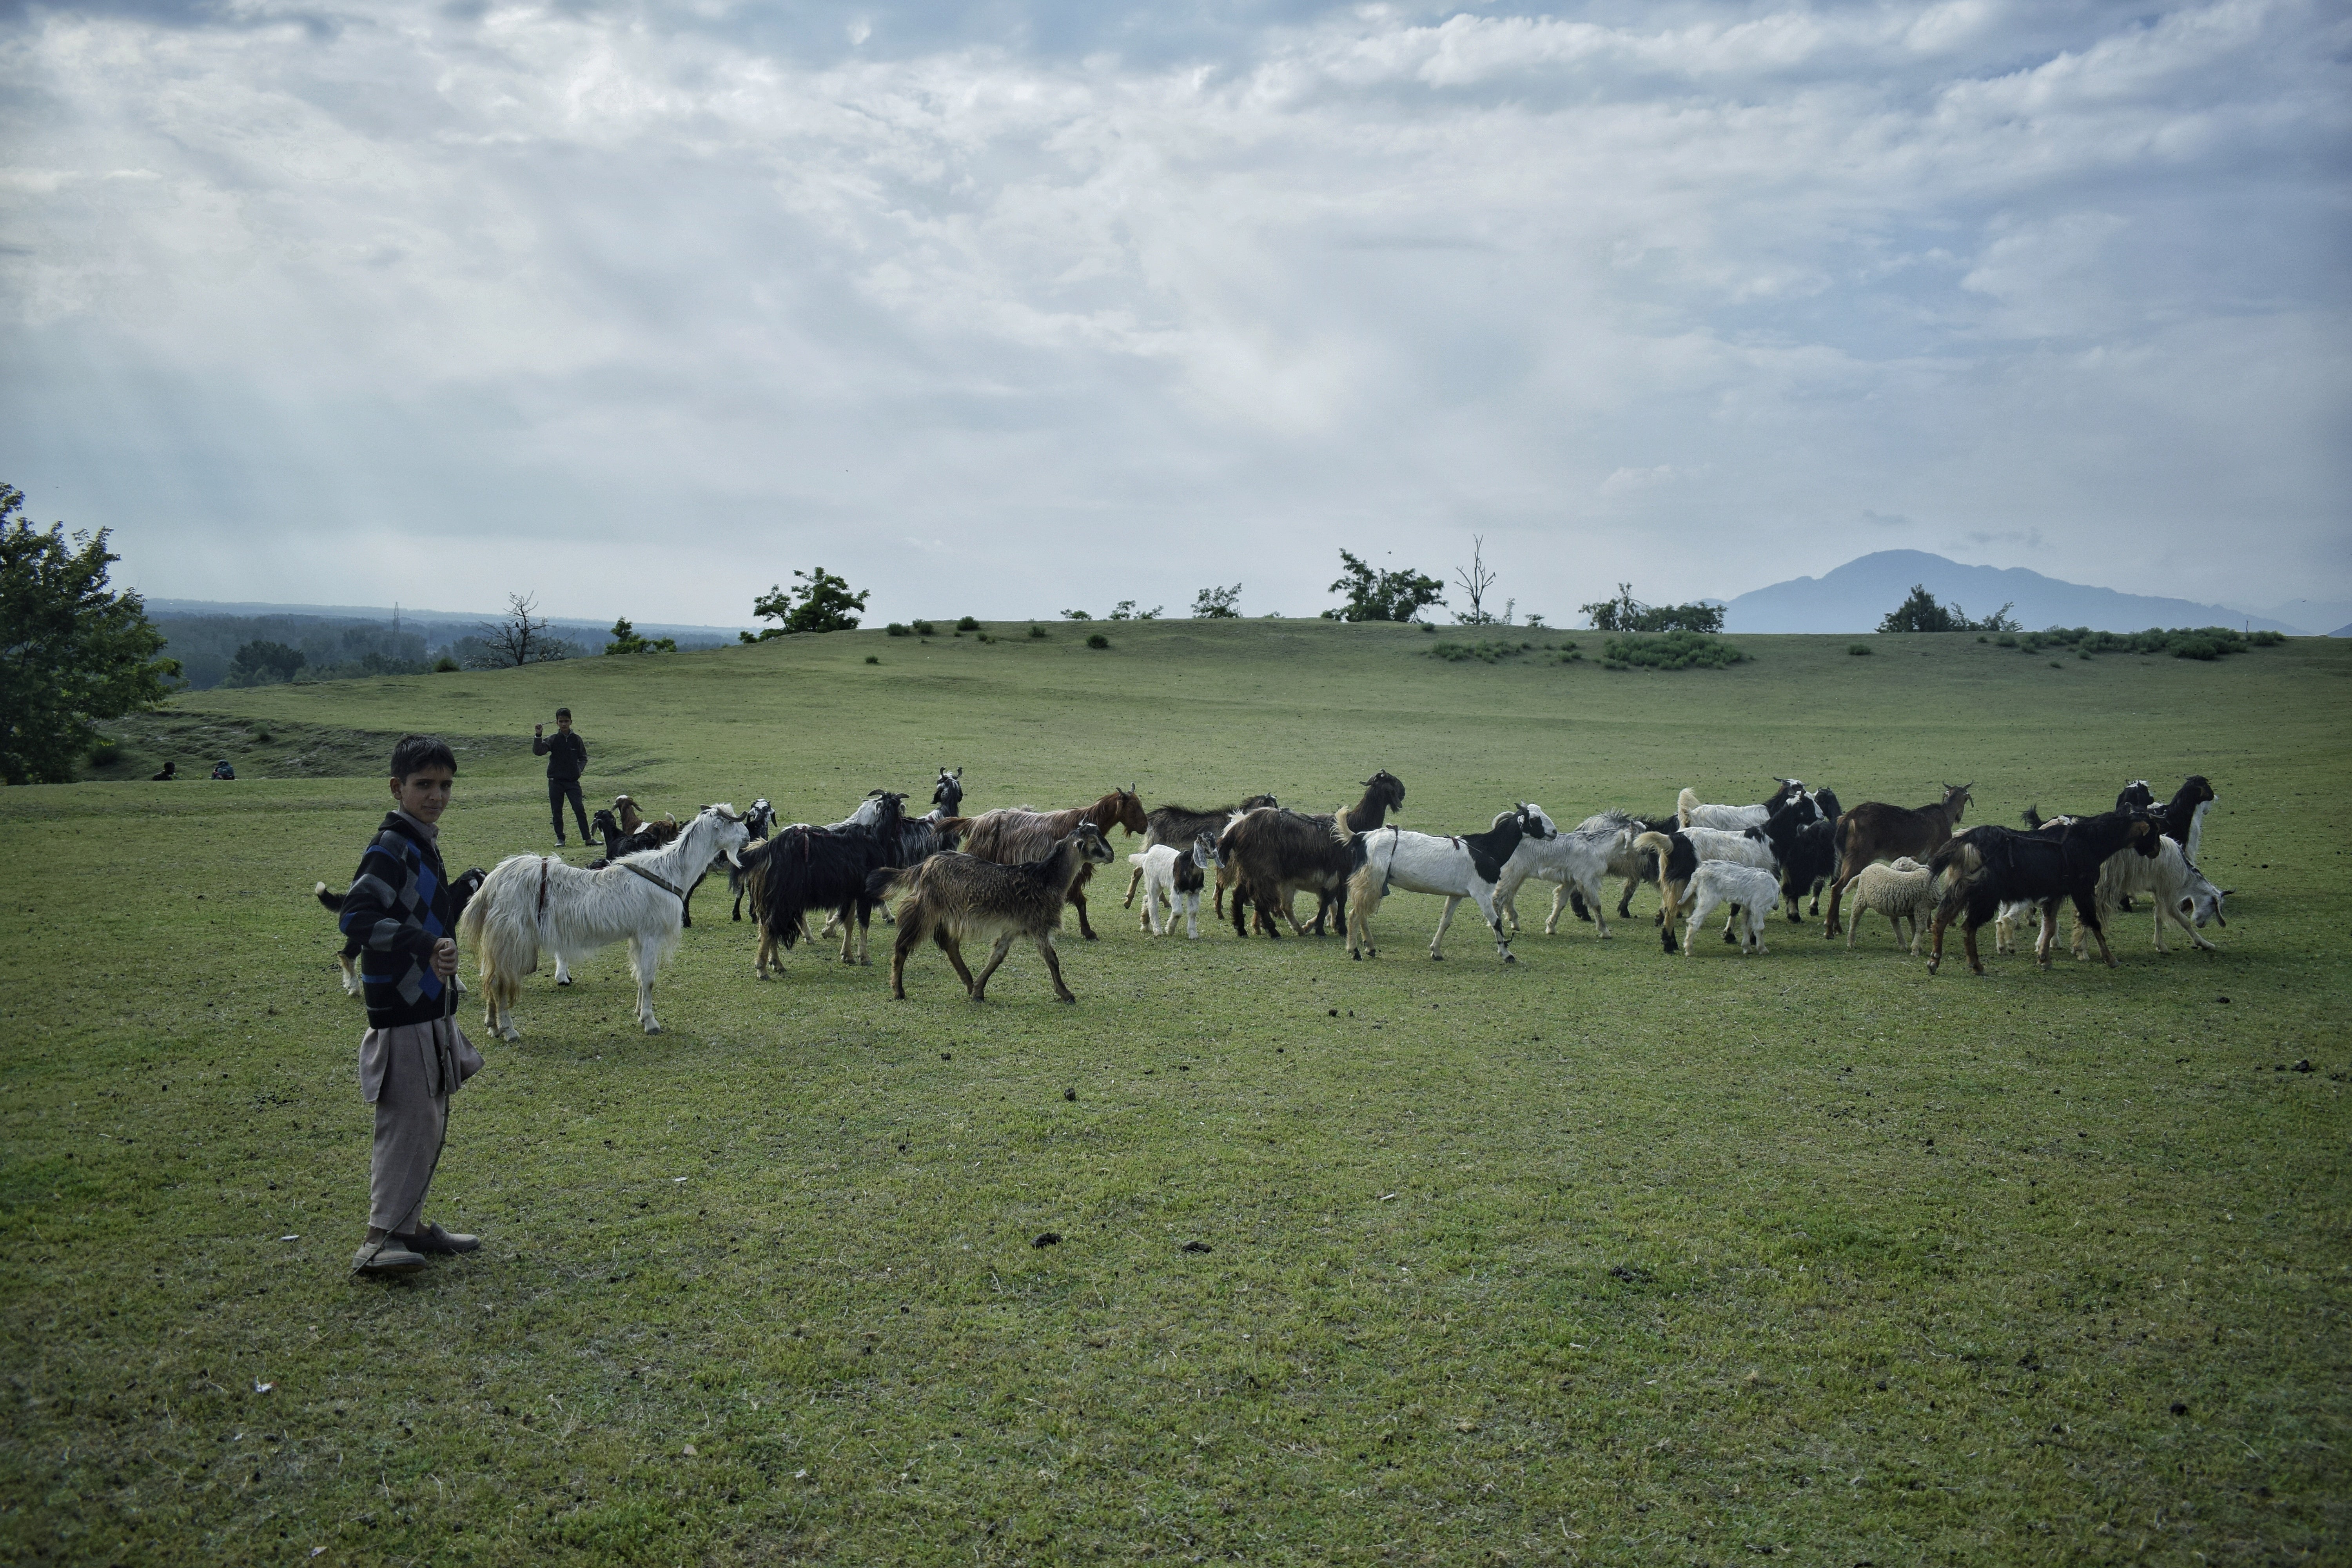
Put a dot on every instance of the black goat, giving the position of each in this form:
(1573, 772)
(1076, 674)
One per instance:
(804, 868)
(1990, 866)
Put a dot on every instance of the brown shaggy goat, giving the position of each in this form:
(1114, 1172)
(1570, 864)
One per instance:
(1876, 831)
(1273, 854)
(1015, 834)
(953, 898)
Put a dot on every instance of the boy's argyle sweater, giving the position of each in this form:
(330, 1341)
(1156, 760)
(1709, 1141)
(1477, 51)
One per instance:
(399, 906)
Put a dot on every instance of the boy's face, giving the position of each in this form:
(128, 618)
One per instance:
(563, 720)
(425, 793)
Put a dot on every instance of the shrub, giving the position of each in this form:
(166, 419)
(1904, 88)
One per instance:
(1095, 639)
(985, 637)
(2193, 648)
(1864, 649)
(444, 665)
(967, 625)
(106, 753)
(872, 658)
(1038, 634)
(2004, 641)
(1674, 650)
(897, 630)
(1485, 652)
(925, 629)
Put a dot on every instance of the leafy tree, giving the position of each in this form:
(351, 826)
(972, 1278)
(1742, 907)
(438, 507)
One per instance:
(1076, 616)
(1627, 614)
(1921, 613)
(71, 653)
(519, 637)
(1377, 595)
(262, 663)
(626, 640)
(824, 605)
(1217, 604)
(1127, 612)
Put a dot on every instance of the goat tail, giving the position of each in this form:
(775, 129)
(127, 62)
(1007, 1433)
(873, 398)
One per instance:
(2032, 818)
(1684, 803)
(1958, 863)
(1656, 843)
(892, 881)
(470, 920)
(328, 896)
(1342, 830)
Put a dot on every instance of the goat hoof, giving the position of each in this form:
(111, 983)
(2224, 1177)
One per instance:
(1510, 958)
(1437, 958)
(653, 1029)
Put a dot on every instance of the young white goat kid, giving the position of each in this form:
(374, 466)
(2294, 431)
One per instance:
(534, 904)
(1178, 875)
(1715, 883)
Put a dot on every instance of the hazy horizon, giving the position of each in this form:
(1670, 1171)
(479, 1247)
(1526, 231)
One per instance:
(641, 307)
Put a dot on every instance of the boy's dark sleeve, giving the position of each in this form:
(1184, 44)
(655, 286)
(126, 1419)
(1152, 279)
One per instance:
(373, 914)
(579, 751)
(540, 746)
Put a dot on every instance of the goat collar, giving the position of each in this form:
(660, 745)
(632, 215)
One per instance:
(667, 887)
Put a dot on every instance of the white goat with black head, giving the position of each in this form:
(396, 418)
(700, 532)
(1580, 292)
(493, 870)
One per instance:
(1178, 875)
(1386, 859)
(534, 904)
(1690, 812)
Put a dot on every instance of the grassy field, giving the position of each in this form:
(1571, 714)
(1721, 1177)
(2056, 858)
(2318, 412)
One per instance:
(1603, 1258)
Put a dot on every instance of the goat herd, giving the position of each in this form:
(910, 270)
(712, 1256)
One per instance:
(1006, 875)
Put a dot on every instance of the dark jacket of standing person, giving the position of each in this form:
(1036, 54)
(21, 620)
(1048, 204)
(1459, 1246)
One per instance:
(566, 753)
(398, 908)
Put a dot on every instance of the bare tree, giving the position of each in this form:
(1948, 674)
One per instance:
(1475, 579)
(519, 637)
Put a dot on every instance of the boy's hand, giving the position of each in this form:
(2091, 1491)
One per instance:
(537, 731)
(445, 957)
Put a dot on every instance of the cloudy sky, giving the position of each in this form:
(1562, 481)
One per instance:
(1006, 308)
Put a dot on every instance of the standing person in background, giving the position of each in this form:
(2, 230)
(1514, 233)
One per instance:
(567, 757)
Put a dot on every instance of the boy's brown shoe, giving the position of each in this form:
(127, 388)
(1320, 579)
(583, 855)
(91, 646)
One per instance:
(390, 1255)
(433, 1238)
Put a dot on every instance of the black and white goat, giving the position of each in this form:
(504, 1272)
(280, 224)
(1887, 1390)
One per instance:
(1178, 875)
(534, 904)
(1468, 866)
(2180, 892)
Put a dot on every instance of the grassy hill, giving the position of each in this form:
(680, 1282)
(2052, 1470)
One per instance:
(1603, 1256)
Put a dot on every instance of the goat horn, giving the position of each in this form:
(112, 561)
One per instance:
(733, 859)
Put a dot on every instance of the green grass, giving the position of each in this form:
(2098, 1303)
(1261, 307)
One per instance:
(1607, 1257)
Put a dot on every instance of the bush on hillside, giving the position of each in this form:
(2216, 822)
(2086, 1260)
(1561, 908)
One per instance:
(1674, 650)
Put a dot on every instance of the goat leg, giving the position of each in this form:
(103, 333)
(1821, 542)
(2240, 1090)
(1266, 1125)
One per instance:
(954, 950)
(1134, 880)
(1085, 930)
(1054, 966)
(995, 956)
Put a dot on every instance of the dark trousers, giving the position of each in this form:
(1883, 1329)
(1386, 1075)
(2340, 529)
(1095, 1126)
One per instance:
(558, 792)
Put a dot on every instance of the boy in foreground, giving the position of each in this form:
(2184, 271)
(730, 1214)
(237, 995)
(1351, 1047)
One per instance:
(413, 1058)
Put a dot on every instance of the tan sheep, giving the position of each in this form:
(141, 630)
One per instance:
(1903, 890)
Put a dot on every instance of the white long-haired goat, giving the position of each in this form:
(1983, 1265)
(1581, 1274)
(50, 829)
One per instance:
(534, 904)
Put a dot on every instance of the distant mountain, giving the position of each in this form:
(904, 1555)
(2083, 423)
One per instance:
(2309, 614)
(2342, 631)
(1858, 595)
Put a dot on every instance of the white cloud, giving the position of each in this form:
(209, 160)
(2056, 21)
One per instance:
(566, 277)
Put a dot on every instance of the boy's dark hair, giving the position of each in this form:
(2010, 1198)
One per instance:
(412, 754)
(564, 712)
